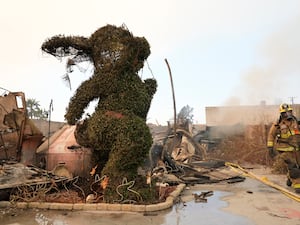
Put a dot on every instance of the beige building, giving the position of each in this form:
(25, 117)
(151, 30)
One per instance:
(244, 115)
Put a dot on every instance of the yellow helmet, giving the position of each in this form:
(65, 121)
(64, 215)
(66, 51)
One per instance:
(285, 108)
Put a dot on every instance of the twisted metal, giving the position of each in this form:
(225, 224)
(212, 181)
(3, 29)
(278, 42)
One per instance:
(97, 195)
(129, 185)
(30, 193)
(41, 191)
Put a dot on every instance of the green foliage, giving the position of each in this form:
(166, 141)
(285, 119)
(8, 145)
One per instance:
(117, 130)
(34, 110)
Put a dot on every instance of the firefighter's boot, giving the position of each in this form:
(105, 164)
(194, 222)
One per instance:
(296, 185)
(294, 179)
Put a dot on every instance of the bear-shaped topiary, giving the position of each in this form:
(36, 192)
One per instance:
(117, 130)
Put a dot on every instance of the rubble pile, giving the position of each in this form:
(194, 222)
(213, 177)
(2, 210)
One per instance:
(174, 159)
(247, 147)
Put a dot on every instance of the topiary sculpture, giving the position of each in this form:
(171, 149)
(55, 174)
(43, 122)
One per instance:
(117, 130)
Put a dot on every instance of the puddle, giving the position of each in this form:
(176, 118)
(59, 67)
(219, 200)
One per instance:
(197, 213)
(188, 213)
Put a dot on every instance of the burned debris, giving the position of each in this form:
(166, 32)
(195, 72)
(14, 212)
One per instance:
(179, 158)
(202, 197)
(19, 140)
(20, 183)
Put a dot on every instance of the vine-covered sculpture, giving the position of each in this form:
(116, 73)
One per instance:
(117, 130)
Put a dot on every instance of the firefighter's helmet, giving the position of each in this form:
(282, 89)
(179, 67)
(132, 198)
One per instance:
(285, 108)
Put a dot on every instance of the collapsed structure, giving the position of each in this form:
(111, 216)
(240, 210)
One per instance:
(23, 168)
(19, 137)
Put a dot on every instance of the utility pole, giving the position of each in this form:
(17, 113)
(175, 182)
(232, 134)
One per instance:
(49, 119)
(292, 99)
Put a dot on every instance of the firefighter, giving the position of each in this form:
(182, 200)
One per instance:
(283, 145)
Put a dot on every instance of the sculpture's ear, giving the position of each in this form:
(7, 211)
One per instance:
(61, 46)
(143, 48)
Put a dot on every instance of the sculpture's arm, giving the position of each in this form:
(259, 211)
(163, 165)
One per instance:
(85, 93)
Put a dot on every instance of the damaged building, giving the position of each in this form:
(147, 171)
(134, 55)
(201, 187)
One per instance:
(19, 137)
(226, 121)
(27, 141)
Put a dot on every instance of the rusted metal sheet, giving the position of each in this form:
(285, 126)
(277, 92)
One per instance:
(29, 146)
(62, 148)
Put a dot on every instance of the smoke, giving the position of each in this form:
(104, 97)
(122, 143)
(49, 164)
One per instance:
(275, 79)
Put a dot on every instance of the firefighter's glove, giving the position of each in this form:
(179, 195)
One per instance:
(272, 152)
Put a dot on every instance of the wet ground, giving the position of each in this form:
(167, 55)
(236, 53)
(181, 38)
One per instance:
(183, 213)
(246, 203)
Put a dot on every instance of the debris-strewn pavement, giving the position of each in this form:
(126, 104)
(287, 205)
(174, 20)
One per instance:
(244, 203)
(208, 192)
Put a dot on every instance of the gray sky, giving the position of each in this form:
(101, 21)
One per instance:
(221, 52)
